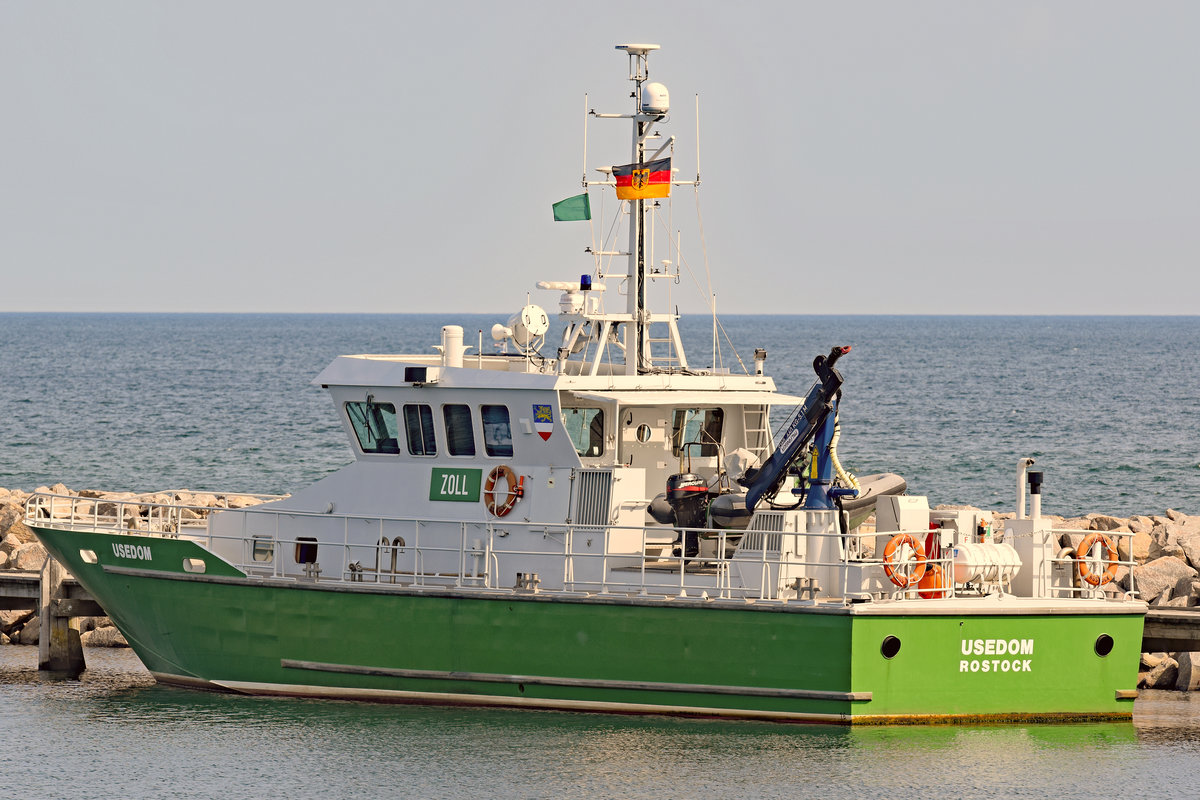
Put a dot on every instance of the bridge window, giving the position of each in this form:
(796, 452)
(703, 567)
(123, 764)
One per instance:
(701, 425)
(418, 427)
(586, 429)
(497, 433)
(460, 435)
(375, 426)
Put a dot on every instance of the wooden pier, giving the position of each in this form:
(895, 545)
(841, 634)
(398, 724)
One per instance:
(1171, 630)
(61, 601)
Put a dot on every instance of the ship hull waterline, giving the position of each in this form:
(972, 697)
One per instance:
(863, 663)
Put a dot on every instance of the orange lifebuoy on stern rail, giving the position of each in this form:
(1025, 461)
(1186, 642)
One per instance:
(1110, 556)
(890, 567)
(514, 490)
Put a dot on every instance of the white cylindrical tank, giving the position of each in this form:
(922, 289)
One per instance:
(452, 346)
(655, 99)
(990, 562)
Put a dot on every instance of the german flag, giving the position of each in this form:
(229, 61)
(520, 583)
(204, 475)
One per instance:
(640, 181)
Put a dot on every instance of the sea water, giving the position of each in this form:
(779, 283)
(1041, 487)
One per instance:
(115, 734)
(1108, 407)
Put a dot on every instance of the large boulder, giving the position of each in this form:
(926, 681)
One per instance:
(119, 502)
(30, 632)
(103, 637)
(10, 543)
(1164, 541)
(1162, 676)
(12, 516)
(1140, 524)
(1189, 524)
(1103, 522)
(1189, 588)
(1188, 677)
(12, 620)
(1140, 546)
(1151, 660)
(1159, 575)
(10, 512)
(1189, 543)
(29, 557)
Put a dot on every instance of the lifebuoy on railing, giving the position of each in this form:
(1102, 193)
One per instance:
(891, 561)
(513, 490)
(1110, 556)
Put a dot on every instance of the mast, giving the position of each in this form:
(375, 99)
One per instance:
(651, 105)
(637, 343)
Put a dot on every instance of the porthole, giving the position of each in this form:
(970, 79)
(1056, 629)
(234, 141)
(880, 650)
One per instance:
(643, 433)
(263, 548)
(88, 556)
(890, 647)
(1104, 645)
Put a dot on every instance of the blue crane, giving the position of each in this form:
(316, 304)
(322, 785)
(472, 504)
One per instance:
(813, 419)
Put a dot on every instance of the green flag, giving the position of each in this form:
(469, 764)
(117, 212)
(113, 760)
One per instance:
(573, 208)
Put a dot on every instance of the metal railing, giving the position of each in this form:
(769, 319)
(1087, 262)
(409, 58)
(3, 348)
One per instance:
(577, 558)
(1097, 566)
(137, 513)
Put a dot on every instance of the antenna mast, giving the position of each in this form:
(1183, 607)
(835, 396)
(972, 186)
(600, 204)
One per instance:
(637, 341)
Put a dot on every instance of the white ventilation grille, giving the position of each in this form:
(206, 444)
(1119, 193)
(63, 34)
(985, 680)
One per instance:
(764, 531)
(594, 496)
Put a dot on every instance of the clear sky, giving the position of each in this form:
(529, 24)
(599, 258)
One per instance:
(924, 156)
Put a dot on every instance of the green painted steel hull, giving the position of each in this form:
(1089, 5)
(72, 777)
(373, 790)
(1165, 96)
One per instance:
(713, 658)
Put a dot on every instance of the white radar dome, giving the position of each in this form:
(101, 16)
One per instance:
(655, 99)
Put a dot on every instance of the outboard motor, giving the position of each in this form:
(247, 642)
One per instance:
(687, 493)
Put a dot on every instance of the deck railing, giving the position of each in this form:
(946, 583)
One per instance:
(420, 552)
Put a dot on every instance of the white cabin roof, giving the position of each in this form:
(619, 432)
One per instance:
(684, 397)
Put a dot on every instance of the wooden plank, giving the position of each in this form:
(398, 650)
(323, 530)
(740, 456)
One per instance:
(1171, 630)
(76, 607)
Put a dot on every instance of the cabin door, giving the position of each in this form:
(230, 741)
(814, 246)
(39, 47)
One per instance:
(644, 435)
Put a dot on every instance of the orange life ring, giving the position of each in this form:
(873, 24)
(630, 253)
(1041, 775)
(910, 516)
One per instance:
(1110, 555)
(891, 568)
(515, 490)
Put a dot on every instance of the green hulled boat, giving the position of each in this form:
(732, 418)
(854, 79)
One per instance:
(610, 529)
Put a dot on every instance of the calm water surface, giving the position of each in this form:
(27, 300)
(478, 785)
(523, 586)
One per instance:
(114, 733)
(1108, 406)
